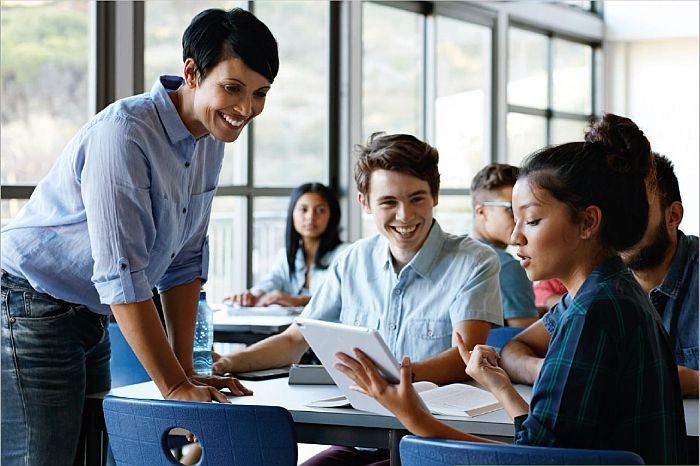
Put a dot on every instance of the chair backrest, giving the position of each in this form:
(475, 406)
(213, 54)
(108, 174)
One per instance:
(417, 451)
(499, 336)
(124, 365)
(229, 434)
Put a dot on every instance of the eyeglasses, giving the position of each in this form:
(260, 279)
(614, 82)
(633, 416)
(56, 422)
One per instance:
(506, 204)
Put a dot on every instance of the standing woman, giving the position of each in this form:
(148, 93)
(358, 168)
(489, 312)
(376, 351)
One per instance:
(312, 240)
(125, 208)
(606, 375)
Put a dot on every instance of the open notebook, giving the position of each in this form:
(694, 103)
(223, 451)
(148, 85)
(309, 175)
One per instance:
(327, 338)
(456, 399)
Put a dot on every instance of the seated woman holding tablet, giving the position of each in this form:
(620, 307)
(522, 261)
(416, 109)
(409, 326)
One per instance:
(312, 240)
(608, 379)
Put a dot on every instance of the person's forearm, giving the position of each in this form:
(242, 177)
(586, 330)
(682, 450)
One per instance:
(180, 311)
(512, 402)
(689, 381)
(141, 327)
(429, 426)
(446, 367)
(520, 362)
(280, 350)
(521, 321)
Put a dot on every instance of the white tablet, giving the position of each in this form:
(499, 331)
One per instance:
(328, 338)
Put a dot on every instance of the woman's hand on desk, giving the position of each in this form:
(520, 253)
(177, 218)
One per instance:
(187, 390)
(220, 382)
(283, 299)
(243, 299)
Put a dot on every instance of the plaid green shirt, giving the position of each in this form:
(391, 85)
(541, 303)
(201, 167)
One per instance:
(609, 380)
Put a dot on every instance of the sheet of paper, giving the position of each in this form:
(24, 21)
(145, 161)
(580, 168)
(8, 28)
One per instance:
(334, 402)
(460, 400)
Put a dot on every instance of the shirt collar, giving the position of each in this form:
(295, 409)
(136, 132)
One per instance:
(172, 123)
(426, 256)
(674, 277)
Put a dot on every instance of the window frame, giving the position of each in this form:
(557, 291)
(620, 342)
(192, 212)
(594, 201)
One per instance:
(117, 71)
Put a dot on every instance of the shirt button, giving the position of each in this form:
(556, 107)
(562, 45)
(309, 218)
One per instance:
(430, 333)
(184, 210)
(397, 292)
(123, 266)
(393, 327)
(187, 165)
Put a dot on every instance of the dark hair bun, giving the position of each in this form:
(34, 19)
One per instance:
(625, 147)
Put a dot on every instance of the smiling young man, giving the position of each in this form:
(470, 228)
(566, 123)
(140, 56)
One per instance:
(492, 195)
(412, 282)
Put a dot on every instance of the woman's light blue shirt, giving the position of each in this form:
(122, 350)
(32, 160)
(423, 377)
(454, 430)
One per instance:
(125, 208)
(279, 277)
(450, 279)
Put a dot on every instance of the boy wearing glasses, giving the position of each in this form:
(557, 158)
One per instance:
(492, 191)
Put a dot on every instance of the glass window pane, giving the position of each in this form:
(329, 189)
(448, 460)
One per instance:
(564, 130)
(165, 21)
(462, 106)
(455, 213)
(227, 248)
(9, 208)
(391, 70)
(44, 63)
(571, 77)
(291, 136)
(269, 221)
(526, 134)
(527, 68)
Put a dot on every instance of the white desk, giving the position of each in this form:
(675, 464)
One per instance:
(245, 325)
(342, 426)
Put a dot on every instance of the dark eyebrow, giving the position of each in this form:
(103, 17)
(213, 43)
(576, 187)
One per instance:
(421, 192)
(531, 204)
(242, 83)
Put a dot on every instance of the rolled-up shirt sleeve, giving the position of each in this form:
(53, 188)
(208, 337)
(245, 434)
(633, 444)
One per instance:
(115, 190)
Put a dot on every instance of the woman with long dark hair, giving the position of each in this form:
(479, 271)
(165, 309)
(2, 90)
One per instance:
(312, 240)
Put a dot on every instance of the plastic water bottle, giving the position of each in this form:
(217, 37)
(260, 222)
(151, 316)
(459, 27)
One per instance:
(203, 336)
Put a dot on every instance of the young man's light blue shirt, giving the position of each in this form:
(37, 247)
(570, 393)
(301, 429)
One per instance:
(279, 277)
(125, 208)
(450, 279)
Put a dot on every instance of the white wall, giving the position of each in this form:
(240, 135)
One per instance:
(654, 81)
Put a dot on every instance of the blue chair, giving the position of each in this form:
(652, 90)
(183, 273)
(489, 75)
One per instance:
(124, 365)
(499, 336)
(418, 451)
(229, 434)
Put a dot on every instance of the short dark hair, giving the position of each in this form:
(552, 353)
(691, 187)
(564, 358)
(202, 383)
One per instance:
(214, 35)
(330, 238)
(493, 176)
(607, 170)
(398, 153)
(666, 182)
